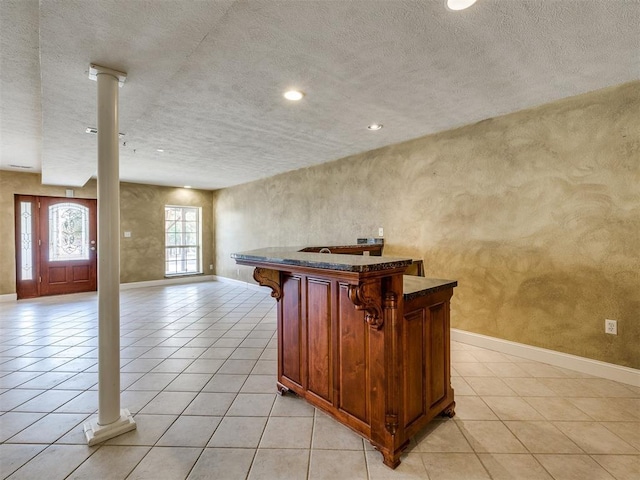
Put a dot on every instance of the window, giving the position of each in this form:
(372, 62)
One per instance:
(183, 240)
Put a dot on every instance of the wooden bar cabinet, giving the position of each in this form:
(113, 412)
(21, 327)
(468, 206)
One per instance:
(361, 341)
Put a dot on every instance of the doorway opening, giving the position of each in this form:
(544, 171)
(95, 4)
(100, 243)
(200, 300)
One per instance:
(56, 247)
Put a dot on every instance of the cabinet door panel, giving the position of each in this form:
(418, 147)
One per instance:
(291, 329)
(415, 368)
(353, 350)
(319, 338)
(437, 371)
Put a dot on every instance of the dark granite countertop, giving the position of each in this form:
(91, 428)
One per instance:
(414, 287)
(325, 261)
(338, 247)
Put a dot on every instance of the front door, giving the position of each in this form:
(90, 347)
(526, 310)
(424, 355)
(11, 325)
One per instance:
(62, 254)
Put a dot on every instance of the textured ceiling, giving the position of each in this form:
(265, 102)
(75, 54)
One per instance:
(205, 78)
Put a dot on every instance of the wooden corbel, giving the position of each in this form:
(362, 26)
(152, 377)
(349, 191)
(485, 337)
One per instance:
(269, 278)
(366, 296)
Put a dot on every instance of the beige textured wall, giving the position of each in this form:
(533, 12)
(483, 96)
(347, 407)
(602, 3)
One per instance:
(141, 212)
(536, 214)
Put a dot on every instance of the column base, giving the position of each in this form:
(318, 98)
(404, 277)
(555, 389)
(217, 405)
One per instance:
(99, 433)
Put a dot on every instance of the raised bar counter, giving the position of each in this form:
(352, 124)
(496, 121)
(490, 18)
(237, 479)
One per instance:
(296, 256)
(415, 287)
(360, 341)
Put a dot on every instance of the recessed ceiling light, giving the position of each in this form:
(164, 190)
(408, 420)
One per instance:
(293, 95)
(375, 126)
(159, 150)
(457, 5)
(187, 186)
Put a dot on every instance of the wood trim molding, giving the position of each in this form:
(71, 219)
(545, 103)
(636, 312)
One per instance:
(392, 353)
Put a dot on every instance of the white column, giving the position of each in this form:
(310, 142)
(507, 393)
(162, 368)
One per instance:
(111, 420)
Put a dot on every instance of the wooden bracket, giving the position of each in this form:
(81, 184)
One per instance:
(269, 278)
(364, 296)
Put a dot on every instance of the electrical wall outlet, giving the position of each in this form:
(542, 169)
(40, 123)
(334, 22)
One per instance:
(211, 267)
(611, 327)
(381, 232)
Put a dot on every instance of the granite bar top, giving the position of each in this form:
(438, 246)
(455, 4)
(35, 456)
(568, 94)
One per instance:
(362, 247)
(326, 261)
(414, 287)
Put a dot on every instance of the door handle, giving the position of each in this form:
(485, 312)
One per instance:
(93, 248)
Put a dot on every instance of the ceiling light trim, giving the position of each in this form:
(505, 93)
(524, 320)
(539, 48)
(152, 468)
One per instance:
(458, 5)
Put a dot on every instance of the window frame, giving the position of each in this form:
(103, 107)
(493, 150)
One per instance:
(198, 246)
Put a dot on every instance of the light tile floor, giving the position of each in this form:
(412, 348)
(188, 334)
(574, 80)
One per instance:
(199, 371)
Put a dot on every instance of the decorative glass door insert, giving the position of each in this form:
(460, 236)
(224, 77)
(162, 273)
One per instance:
(26, 241)
(68, 232)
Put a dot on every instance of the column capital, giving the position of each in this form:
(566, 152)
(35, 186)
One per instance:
(95, 70)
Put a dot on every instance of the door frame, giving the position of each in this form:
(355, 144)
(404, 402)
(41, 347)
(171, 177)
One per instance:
(33, 288)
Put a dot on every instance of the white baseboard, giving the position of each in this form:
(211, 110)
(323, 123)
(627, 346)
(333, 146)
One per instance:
(167, 281)
(13, 297)
(239, 283)
(9, 297)
(618, 373)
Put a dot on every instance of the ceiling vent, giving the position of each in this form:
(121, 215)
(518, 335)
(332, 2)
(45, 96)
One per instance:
(94, 131)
